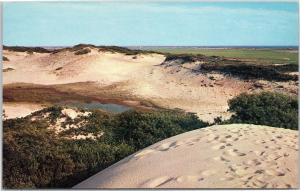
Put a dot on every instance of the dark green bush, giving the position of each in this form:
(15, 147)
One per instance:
(32, 155)
(143, 129)
(266, 108)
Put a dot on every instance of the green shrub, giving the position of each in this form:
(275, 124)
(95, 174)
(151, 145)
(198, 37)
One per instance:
(266, 108)
(83, 51)
(35, 157)
(32, 156)
(143, 129)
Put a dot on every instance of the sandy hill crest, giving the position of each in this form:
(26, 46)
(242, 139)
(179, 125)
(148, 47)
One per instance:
(77, 48)
(221, 156)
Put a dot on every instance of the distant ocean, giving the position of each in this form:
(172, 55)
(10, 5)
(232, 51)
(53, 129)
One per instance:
(192, 47)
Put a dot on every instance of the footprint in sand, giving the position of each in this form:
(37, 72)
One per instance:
(236, 139)
(263, 177)
(241, 170)
(273, 156)
(247, 177)
(228, 136)
(176, 144)
(208, 172)
(164, 147)
(245, 171)
(227, 178)
(156, 182)
(144, 153)
(169, 145)
(259, 171)
(233, 152)
(218, 147)
(192, 141)
(221, 158)
(258, 153)
(253, 162)
(223, 140)
(189, 178)
(260, 141)
(267, 163)
(212, 137)
(274, 147)
(278, 136)
(258, 184)
(273, 172)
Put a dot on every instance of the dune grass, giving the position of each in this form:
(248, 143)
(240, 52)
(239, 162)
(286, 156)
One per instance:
(262, 56)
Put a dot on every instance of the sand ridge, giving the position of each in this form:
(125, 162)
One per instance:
(220, 156)
(141, 76)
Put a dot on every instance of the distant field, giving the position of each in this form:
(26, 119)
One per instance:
(263, 56)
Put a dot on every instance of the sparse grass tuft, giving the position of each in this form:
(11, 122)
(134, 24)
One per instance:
(8, 69)
(83, 51)
(5, 58)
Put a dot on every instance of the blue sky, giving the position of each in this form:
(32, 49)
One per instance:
(150, 23)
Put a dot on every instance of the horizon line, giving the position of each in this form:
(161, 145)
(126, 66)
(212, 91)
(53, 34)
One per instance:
(154, 45)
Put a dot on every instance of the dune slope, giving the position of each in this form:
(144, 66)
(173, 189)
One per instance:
(176, 82)
(221, 156)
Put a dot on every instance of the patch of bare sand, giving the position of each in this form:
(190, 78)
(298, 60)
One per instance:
(66, 67)
(223, 156)
(14, 110)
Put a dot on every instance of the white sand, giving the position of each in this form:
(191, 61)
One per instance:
(13, 110)
(225, 156)
(141, 77)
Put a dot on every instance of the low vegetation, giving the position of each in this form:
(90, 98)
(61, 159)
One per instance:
(83, 51)
(266, 108)
(112, 49)
(235, 68)
(35, 157)
(187, 58)
(5, 58)
(253, 71)
(26, 49)
(8, 69)
(259, 56)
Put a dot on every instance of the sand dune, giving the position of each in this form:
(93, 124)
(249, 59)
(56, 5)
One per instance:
(141, 76)
(224, 156)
